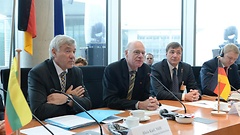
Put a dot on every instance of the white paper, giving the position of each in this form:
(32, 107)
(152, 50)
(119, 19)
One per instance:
(40, 130)
(202, 103)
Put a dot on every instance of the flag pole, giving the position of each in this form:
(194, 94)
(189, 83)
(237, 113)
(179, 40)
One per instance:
(19, 76)
(218, 112)
(12, 42)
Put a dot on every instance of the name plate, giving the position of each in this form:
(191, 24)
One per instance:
(159, 127)
(235, 109)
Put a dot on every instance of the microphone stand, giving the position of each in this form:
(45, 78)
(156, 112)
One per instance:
(35, 117)
(57, 91)
(185, 110)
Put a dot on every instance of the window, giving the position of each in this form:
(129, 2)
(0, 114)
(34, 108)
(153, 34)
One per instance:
(85, 21)
(154, 22)
(217, 24)
(5, 31)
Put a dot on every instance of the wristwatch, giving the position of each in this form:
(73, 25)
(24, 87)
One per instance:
(68, 100)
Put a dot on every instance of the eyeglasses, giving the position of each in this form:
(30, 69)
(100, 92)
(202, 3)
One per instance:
(149, 58)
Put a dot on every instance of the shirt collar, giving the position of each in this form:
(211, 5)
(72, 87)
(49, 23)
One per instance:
(171, 67)
(59, 70)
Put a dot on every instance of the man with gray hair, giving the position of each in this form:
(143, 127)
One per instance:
(227, 58)
(126, 83)
(59, 73)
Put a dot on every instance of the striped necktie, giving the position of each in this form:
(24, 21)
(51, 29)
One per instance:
(175, 86)
(131, 84)
(63, 80)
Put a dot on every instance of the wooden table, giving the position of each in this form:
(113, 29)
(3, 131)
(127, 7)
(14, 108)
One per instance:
(225, 125)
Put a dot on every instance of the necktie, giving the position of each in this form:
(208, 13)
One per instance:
(175, 87)
(63, 80)
(131, 84)
(226, 70)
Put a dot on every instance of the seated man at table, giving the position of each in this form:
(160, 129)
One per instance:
(59, 73)
(226, 60)
(175, 75)
(126, 82)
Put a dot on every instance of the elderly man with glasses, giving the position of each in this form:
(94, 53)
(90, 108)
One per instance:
(126, 83)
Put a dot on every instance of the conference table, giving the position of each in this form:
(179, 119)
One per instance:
(223, 125)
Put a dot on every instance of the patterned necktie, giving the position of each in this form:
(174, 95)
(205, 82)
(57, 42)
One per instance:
(63, 80)
(175, 87)
(131, 84)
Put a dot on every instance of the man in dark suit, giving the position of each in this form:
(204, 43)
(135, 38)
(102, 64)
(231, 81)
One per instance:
(227, 60)
(185, 79)
(47, 75)
(126, 82)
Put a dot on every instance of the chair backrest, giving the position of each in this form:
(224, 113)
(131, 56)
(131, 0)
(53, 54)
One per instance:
(92, 77)
(196, 72)
(24, 81)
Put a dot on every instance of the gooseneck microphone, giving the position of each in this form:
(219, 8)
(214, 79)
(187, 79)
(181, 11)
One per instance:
(185, 110)
(35, 117)
(81, 107)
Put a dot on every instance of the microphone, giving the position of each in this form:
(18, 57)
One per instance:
(35, 117)
(185, 110)
(61, 92)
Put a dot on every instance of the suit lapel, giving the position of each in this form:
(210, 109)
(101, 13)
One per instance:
(166, 71)
(54, 75)
(125, 74)
(180, 72)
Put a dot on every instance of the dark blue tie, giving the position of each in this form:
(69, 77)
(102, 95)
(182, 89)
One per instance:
(175, 87)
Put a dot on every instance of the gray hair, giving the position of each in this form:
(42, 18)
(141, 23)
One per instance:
(58, 41)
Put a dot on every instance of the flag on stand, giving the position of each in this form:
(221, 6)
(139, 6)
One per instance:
(27, 23)
(58, 18)
(220, 84)
(17, 111)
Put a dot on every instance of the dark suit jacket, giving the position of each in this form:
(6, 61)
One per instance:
(209, 67)
(161, 71)
(116, 84)
(44, 77)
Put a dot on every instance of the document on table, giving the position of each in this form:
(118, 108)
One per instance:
(69, 121)
(81, 119)
(40, 130)
(202, 103)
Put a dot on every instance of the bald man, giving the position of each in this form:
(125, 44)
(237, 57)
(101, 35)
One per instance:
(117, 81)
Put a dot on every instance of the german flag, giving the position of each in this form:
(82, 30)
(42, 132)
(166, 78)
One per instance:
(27, 23)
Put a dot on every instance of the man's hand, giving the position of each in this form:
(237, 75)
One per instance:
(193, 95)
(149, 104)
(78, 91)
(56, 99)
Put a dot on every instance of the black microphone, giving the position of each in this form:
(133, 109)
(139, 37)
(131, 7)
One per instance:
(185, 110)
(61, 92)
(35, 117)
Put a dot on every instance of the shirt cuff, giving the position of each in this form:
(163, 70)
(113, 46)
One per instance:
(183, 97)
(136, 105)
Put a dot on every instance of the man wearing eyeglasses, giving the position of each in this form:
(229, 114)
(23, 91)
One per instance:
(227, 58)
(126, 82)
(174, 75)
(149, 59)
